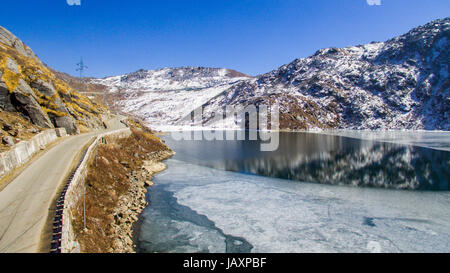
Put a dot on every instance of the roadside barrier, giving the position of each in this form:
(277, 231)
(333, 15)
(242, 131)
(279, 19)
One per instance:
(63, 240)
(55, 244)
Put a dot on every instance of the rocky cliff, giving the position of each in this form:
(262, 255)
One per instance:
(30, 91)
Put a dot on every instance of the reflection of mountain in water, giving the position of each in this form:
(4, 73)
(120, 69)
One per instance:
(326, 159)
(352, 162)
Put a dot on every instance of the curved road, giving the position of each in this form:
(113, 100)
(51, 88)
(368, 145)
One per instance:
(25, 202)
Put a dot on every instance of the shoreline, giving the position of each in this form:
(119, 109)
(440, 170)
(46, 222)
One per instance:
(175, 128)
(128, 212)
(403, 137)
(116, 184)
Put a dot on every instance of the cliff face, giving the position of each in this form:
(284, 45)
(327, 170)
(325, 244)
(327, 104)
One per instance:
(30, 90)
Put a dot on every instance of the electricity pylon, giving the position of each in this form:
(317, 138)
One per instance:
(81, 67)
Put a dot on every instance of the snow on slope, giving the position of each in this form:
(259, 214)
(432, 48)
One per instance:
(402, 83)
(164, 96)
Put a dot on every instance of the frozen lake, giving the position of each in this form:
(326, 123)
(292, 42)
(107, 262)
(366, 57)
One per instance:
(226, 196)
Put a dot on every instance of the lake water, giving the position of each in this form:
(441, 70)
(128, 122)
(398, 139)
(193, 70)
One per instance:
(316, 193)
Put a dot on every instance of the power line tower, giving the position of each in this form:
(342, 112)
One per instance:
(81, 67)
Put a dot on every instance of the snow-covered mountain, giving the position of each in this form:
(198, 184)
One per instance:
(164, 96)
(402, 83)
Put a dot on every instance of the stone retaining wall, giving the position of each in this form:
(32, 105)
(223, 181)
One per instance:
(24, 150)
(76, 189)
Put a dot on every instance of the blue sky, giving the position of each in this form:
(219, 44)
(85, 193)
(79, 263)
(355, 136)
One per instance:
(251, 36)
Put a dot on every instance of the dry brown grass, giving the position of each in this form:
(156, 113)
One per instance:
(107, 180)
(22, 128)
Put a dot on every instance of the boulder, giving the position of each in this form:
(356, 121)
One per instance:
(12, 65)
(7, 140)
(44, 87)
(5, 97)
(25, 102)
(68, 123)
(7, 127)
(16, 133)
(48, 89)
(66, 96)
(61, 132)
(61, 106)
(24, 88)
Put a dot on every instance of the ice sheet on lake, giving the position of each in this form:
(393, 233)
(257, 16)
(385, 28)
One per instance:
(284, 216)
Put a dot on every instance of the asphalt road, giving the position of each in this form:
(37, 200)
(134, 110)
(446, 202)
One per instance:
(25, 202)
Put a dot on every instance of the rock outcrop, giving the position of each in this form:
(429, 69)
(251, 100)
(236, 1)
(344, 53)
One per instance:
(30, 89)
(25, 101)
(12, 41)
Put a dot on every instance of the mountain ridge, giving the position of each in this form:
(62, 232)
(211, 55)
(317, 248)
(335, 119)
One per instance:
(401, 83)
